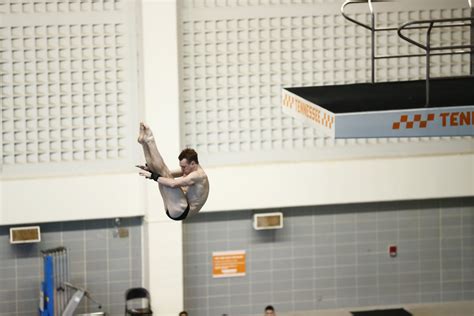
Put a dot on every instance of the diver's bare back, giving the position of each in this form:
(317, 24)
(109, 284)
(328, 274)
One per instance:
(198, 192)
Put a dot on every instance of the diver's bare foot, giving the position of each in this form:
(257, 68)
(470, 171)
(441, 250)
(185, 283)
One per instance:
(145, 135)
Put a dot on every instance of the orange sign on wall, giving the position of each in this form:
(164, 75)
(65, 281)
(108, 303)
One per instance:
(228, 263)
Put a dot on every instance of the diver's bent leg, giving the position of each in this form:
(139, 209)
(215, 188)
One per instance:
(150, 164)
(155, 160)
(174, 199)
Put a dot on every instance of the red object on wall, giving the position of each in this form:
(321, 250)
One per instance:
(392, 250)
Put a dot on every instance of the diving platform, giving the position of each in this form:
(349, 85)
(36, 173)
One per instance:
(417, 108)
(385, 109)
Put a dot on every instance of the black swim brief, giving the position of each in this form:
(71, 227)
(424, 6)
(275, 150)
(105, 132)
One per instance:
(180, 217)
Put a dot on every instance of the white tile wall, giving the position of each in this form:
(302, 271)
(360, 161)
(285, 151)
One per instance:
(68, 85)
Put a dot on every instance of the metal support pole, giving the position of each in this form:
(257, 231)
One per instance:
(428, 52)
(372, 31)
(472, 39)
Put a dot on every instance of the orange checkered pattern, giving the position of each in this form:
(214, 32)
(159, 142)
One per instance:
(405, 122)
(327, 120)
(287, 100)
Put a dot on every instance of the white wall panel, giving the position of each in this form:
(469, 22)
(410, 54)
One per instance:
(340, 182)
(69, 86)
(71, 198)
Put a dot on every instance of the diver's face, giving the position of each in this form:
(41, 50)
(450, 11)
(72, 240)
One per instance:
(187, 167)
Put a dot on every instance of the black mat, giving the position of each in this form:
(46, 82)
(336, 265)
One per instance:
(383, 312)
(383, 96)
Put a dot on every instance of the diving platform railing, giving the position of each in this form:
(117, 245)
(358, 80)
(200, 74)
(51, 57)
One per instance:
(430, 50)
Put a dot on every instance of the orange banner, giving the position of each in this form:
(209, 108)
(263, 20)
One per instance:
(228, 263)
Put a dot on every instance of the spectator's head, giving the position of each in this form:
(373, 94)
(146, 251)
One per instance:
(269, 311)
(183, 313)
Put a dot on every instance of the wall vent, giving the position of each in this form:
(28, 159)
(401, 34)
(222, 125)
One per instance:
(268, 221)
(23, 235)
